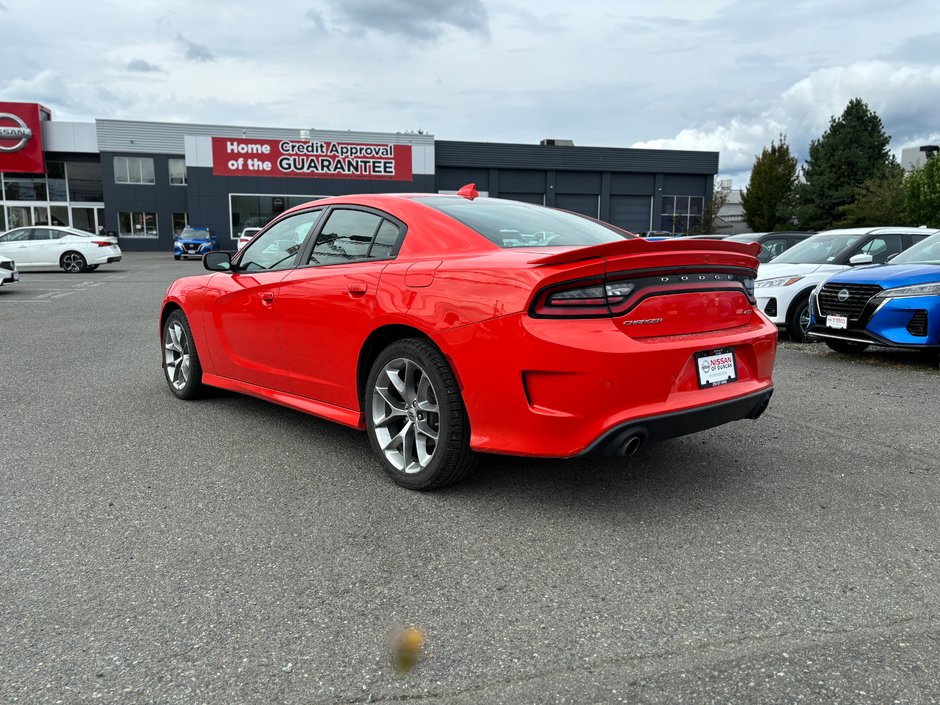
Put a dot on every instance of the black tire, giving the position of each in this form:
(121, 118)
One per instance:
(92, 267)
(73, 262)
(184, 381)
(798, 319)
(847, 347)
(425, 370)
(176, 256)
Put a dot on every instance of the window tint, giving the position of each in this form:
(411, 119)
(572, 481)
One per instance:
(278, 246)
(515, 224)
(41, 234)
(882, 247)
(771, 248)
(346, 236)
(15, 235)
(385, 240)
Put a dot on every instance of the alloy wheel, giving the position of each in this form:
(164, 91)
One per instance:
(73, 262)
(406, 415)
(176, 355)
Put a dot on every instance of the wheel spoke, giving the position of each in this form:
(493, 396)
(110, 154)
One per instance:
(395, 378)
(425, 429)
(396, 404)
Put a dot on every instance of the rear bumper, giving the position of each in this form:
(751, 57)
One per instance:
(553, 388)
(680, 423)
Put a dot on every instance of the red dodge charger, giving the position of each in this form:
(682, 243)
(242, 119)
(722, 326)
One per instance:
(445, 325)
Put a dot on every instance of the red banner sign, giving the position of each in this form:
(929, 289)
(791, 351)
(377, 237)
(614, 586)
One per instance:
(310, 159)
(21, 138)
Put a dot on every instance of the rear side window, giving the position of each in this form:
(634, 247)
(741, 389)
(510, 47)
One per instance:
(515, 224)
(351, 235)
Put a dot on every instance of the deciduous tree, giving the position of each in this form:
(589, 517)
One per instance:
(922, 194)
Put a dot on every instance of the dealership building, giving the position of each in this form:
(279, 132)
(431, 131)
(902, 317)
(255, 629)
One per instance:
(145, 181)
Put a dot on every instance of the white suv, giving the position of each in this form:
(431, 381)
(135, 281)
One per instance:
(784, 284)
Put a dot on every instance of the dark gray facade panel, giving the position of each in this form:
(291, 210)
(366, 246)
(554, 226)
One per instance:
(536, 198)
(632, 184)
(522, 181)
(578, 182)
(454, 179)
(631, 212)
(685, 185)
(526, 156)
(160, 197)
(585, 204)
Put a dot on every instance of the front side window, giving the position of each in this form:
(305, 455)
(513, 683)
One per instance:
(771, 247)
(178, 172)
(15, 235)
(133, 170)
(882, 247)
(277, 247)
(515, 224)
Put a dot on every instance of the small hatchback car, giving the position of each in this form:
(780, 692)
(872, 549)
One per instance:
(896, 304)
(194, 242)
(444, 325)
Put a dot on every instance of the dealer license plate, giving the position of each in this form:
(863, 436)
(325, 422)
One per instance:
(837, 322)
(716, 367)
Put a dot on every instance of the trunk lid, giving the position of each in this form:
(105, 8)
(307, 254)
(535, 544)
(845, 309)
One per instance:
(670, 287)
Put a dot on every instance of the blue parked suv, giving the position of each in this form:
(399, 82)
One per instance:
(895, 304)
(194, 242)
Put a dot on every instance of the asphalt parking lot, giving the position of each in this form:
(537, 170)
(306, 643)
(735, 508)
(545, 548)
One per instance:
(231, 551)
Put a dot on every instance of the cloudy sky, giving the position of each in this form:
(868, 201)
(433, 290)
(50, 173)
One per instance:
(683, 74)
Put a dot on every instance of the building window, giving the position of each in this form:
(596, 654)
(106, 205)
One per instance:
(681, 213)
(84, 181)
(180, 221)
(133, 170)
(178, 172)
(25, 187)
(257, 211)
(137, 224)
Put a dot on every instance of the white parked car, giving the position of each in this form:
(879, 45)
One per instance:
(784, 284)
(8, 271)
(45, 246)
(246, 236)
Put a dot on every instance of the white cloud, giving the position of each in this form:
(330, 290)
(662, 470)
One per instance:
(905, 97)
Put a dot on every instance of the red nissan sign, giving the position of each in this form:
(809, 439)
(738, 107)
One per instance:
(310, 159)
(21, 138)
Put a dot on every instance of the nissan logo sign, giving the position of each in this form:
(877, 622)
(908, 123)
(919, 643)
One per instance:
(19, 132)
(843, 295)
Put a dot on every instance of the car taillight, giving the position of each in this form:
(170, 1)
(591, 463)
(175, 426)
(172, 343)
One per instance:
(583, 299)
(102, 243)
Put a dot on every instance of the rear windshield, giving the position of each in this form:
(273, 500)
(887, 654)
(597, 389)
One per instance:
(516, 224)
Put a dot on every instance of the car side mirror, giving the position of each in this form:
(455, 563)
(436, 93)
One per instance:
(860, 259)
(217, 261)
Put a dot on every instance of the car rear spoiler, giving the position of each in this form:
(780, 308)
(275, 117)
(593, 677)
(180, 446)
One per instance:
(639, 246)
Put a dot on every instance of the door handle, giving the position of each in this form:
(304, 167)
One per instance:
(357, 290)
(267, 297)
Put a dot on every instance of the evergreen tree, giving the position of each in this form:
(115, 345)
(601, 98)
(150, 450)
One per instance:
(877, 201)
(768, 199)
(922, 194)
(853, 150)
